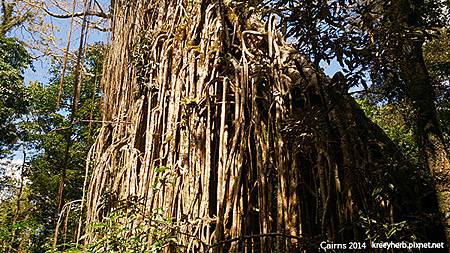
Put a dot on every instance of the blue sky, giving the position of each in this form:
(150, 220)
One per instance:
(42, 64)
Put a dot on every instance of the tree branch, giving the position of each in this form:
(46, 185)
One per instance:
(99, 14)
(100, 28)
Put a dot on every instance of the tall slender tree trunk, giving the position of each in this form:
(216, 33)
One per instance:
(62, 177)
(78, 82)
(212, 120)
(428, 135)
(420, 91)
(19, 199)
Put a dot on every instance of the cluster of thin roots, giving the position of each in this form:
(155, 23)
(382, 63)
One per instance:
(214, 119)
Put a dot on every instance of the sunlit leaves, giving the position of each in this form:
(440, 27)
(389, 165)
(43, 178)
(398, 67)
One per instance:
(13, 97)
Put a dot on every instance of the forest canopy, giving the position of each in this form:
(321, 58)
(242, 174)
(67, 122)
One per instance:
(224, 126)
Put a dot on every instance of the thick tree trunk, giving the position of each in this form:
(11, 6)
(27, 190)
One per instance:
(213, 121)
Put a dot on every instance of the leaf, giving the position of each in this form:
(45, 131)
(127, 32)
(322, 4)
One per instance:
(161, 169)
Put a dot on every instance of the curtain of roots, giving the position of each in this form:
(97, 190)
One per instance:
(214, 121)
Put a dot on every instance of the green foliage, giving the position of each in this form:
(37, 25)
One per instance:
(126, 230)
(47, 130)
(380, 231)
(18, 228)
(122, 232)
(437, 55)
(367, 38)
(13, 97)
(437, 58)
(393, 119)
(44, 131)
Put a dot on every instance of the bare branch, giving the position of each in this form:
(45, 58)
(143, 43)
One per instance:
(100, 28)
(99, 6)
(99, 14)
